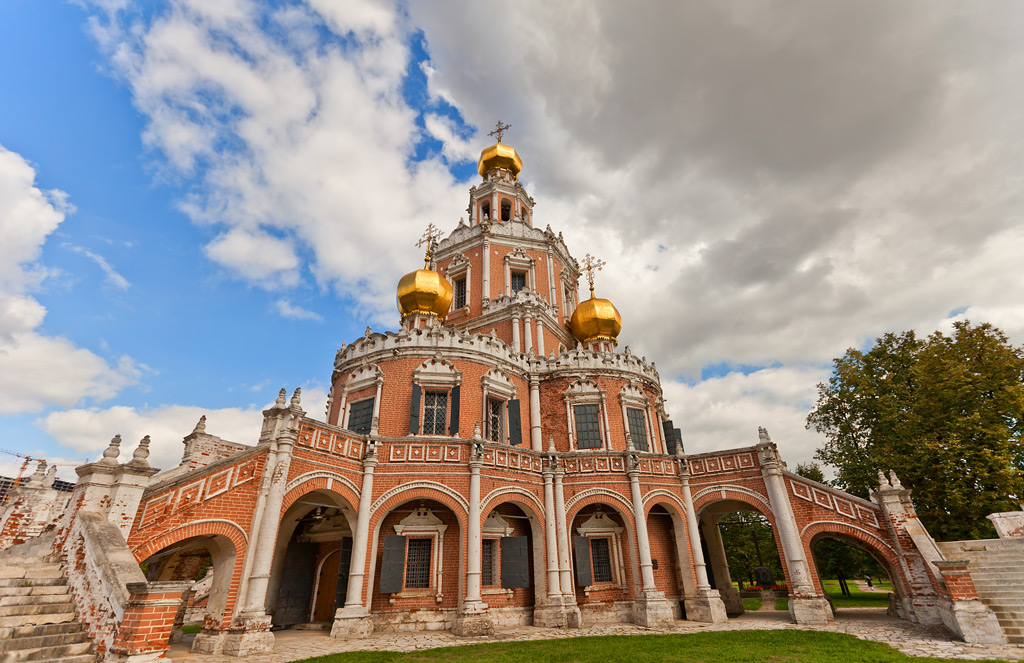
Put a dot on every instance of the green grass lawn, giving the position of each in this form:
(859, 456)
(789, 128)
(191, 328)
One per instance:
(782, 604)
(752, 604)
(731, 647)
(858, 598)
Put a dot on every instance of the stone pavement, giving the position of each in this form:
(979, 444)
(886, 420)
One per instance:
(865, 623)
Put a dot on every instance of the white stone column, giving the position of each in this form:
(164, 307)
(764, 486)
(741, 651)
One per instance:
(536, 440)
(540, 337)
(472, 618)
(352, 620)
(706, 605)
(651, 609)
(552, 291)
(572, 612)
(528, 337)
(486, 282)
(805, 605)
(516, 344)
(551, 533)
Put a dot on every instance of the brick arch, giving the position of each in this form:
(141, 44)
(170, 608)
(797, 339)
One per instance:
(426, 489)
(221, 528)
(662, 496)
(821, 529)
(320, 482)
(500, 496)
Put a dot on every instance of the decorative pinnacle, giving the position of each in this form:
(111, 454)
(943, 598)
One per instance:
(200, 425)
(430, 237)
(296, 397)
(591, 265)
(280, 397)
(111, 453)
(141, 452)
(499, 130)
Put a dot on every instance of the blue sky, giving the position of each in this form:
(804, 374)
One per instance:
(241, 185)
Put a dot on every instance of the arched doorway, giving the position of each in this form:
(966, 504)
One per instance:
(512, 562)
(741, 549)
(208, 561)
(670, 555)
(309, 576)
(855, 573)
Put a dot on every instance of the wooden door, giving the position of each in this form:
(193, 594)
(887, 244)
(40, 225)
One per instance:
(323, 611)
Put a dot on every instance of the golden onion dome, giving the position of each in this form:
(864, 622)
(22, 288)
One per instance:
(424, 291)
(595, 319)
(499, 156)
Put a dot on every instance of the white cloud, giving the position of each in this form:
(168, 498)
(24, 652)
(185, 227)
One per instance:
(288, 310)
(37, 370)
(114, 278)
(87, 431)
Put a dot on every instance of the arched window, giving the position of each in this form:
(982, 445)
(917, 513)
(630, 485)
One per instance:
(506, 210)
(485, 211)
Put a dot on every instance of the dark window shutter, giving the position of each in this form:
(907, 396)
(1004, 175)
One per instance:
(515, 562)
(581, 559)
(414, 411)
(344, 563)
(453, 426)
(515, 426)
(670, 437)
(392, 567)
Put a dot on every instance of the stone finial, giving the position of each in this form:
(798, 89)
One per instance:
(296, 397)
(51, 476)
(39, 475)
(369, 330)
(679, 450)
(200, 426)
(281, 395)
(883, 483)
(111, 453)
(762, 434)
(551, 443)
(476, 432)
(141, 453)
(629, 443)
(895, 480)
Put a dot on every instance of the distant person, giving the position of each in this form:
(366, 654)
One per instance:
(868, 578)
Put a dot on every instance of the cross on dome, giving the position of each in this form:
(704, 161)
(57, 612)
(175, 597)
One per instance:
(430, 237)
(499, 130)
(591, 265)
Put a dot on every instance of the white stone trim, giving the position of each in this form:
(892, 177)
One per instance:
(874, 537)
(322, 474)
(413, 486)
(593, 528)
(513, 490)
(421, 524)
(586, 392)
(604, 492)
(721, 488)
(460, 267)
(519, 260)
(661, 492)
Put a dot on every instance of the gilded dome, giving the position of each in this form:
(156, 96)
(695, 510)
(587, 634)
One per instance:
(499, 156)
(595, 319)
(424, 291)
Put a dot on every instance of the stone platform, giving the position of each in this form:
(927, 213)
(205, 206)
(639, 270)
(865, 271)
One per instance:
(866, 623)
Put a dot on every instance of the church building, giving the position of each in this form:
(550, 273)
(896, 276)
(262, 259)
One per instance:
(499, 460)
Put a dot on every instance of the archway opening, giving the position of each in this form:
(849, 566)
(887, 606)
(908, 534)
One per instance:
(852, 575)
(603, 564)
(208, 561)
(670, 556)
(511, 564)
(309, 577)
(742, 556)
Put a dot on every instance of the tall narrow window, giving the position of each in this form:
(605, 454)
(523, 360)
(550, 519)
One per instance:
(489, 551)
(435, 412)
(518, 281)
(360, 416)
(485, 210)
(637, 428)
(506, 210)
(588, 428)
(601, 559)
(460, 293)
(417, 563)
(495, 420)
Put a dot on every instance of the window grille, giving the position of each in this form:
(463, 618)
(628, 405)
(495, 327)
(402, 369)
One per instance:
(435, 412)
(637, 429)
(601, 559)
(518, 281)
(495, 420)
(460, 293)
(588, 429)
(487, 575)
(417, 564)
(360, 415)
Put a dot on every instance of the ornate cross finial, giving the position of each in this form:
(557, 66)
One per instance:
(430, 237)
(499, 130)
(591, 265)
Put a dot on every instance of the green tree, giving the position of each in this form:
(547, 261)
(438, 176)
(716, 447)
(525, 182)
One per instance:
(946, 413)
(749, 543)
(810, 471)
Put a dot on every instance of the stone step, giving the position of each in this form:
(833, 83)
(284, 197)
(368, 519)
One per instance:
(37, 619)
(31, 582)
(33, 590)
(37, 641)
(33, 570)
(41, 629)
(38, 608)
(54, 653)
(34, 599)
(83, 658)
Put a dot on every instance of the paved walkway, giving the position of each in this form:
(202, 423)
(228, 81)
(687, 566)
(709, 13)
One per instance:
(865, 623)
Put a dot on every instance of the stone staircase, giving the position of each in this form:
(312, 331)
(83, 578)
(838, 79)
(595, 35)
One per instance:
(37, 615)
(997, 568)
